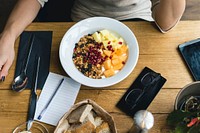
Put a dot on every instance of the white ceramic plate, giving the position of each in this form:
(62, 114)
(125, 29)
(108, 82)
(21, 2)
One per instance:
(89, 26)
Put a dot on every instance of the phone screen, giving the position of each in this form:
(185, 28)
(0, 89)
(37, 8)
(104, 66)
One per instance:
(191, 54)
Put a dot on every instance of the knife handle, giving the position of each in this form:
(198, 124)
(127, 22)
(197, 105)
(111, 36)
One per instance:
(32, 106)
(33, 97)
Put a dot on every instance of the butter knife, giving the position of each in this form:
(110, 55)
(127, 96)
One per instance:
(33, 97)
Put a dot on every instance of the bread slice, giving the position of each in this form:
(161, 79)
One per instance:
(68, 131)
(79, 115)
(73, 127)
(90, 118)
(103, 128)
(64, 126)
(87, 127)
(98, 121)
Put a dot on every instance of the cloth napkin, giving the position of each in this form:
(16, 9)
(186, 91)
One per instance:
(42, 48)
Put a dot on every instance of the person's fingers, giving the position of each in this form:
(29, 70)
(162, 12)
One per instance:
(1, 66)
(7, 54)
(2, 78)
(5, 69)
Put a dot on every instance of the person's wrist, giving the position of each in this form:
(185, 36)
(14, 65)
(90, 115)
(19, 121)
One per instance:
(6, 34)
(12, 29)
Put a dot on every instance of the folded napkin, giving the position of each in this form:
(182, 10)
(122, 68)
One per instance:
(42, 48)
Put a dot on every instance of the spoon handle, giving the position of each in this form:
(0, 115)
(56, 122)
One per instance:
(30, 43)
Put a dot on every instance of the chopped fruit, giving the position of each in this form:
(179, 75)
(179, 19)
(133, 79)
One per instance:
(124, 48)
(118, 66)
(105, 32)
(119, 42)
(123, 58)
(97, 37)
(107, 64)
(114, 56)
(107, 52)
(115, 62)
(119, 52)
(109, 73)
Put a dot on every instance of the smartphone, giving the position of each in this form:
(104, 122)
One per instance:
(190, 52)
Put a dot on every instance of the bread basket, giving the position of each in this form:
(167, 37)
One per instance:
(64, 122)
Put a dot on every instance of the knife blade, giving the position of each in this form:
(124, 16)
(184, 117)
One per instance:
(33, 97)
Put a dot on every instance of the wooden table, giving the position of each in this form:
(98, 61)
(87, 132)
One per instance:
(157, 51)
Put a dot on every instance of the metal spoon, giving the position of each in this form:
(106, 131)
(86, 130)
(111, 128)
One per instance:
(20, 82)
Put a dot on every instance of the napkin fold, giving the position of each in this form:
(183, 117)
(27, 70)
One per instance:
(42, 48)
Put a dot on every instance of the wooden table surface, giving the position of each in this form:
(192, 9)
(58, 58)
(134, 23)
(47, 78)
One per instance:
(156, 51)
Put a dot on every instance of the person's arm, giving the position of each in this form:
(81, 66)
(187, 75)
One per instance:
(167, 13)
(21, 16)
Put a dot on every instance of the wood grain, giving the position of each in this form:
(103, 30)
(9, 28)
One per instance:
(11, 120)
(17, 102)
(156, 50)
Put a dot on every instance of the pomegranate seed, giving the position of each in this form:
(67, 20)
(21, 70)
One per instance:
(120, 42)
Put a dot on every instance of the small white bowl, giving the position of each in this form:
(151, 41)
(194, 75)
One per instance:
(192, 89)
(89, 26)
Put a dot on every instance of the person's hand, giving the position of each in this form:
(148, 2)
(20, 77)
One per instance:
(7, 54)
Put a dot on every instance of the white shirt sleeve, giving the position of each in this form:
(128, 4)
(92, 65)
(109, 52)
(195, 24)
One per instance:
(42, 2)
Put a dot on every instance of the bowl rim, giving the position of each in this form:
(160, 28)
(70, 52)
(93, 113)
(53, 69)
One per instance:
(180, 92)
(36, 122)
(123, 76)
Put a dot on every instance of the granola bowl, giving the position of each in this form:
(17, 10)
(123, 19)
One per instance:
(99, 52)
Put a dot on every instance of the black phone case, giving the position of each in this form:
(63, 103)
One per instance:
(145, 101)
(190, 52)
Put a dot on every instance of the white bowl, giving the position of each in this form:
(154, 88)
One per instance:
(89, 26)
